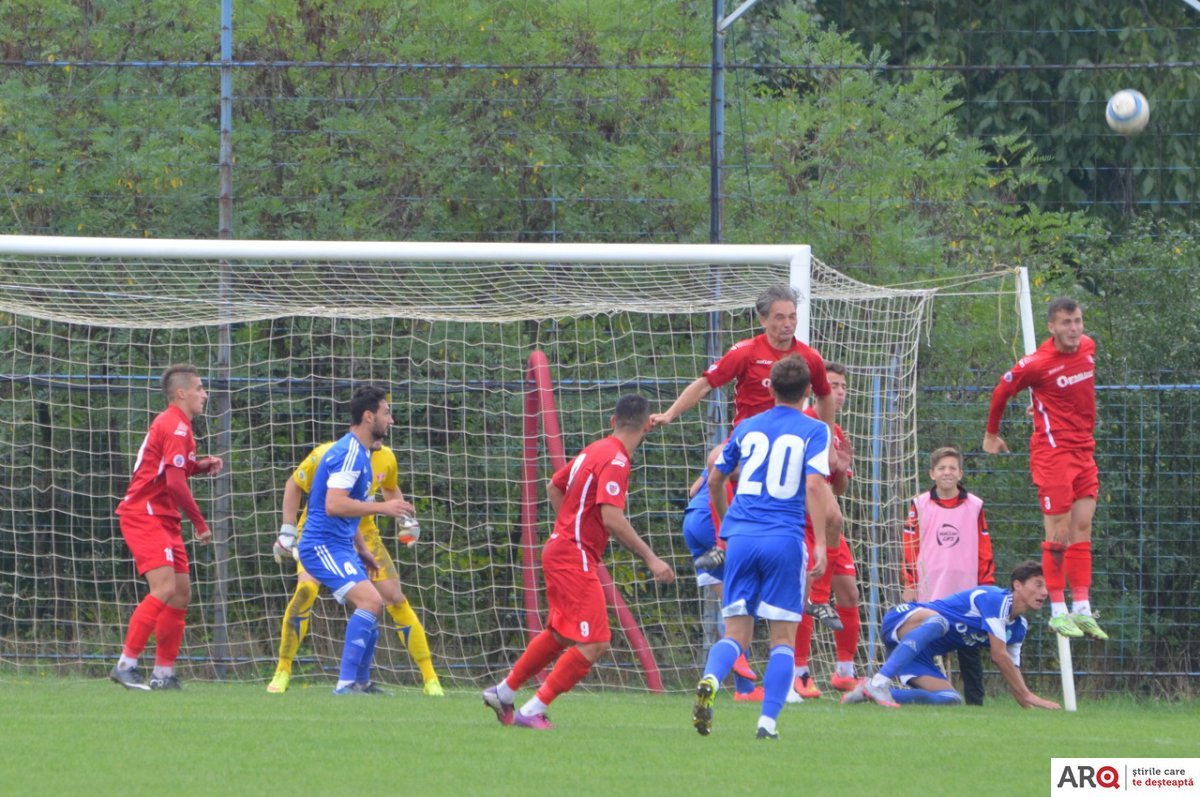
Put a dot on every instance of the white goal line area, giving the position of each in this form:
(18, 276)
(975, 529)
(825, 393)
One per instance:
(282, 339)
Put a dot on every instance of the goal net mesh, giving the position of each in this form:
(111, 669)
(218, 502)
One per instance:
(281, 345)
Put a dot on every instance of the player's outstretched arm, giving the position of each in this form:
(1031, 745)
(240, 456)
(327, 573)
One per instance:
(619, 527)
(692, 395)
(1016, 684)
(209, 465)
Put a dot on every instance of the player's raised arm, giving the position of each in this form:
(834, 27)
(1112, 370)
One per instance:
(692, 395)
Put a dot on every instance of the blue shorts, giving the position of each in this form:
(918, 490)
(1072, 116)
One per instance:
(923, 664)
(335, 566)
(700, 536)
(764, 577)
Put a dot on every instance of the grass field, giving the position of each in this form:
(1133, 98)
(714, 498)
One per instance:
(72, 736)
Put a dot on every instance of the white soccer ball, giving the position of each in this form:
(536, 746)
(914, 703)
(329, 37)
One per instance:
(1128, 112)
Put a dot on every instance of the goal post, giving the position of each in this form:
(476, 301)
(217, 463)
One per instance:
(87, 325)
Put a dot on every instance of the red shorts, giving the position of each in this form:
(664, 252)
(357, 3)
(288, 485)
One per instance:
(1062, 477)
(841, 560)
(155, 542)
(578, 610)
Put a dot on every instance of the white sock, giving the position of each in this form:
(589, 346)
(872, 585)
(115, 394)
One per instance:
(845, 669)
(800, 670)
(343, 684)
(1058, 609)
(768, 723)
(163, 672)
(879, 679)
(1081, 607)
(126, 663)
(505, 692)
(533, 707)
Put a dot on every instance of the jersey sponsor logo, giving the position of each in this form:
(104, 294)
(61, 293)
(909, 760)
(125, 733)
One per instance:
(620, 461)
(1067, 381)
(766, 383)
(181, 430)
(1055, 370)
(948, 536)
(178, 461)
(764, 362)
(612, 488)
(1008, 377)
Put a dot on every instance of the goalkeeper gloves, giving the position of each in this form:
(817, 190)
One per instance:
(285, 546)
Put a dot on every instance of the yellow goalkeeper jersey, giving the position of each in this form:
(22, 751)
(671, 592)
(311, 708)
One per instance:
(385, 473)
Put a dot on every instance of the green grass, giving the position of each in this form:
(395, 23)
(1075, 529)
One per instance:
(73, 736)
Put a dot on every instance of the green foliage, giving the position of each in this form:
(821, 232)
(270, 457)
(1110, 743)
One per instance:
(1061, 109)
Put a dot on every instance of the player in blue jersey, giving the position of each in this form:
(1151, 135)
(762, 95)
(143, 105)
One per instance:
(699, 534)
(986, 615)
(781, 457)
(332, 548)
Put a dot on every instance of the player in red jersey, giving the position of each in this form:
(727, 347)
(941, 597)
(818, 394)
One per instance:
(1060, 376)
(152, 528)
(839, 577)
(588, 496)
(749, 362)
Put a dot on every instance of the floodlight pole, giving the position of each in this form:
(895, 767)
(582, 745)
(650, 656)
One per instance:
(716, 185)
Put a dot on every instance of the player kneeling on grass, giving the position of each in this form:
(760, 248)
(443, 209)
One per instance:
(588, 496)
(916, 632)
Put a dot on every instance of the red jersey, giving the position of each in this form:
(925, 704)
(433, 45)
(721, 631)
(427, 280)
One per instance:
(599, 475)
(838, 438)
(1062, 388)
(169, 443)
(749, 362)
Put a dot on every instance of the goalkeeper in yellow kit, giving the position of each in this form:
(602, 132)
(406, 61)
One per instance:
(385, 473)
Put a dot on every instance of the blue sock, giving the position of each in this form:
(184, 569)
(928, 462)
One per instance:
(721, 657)
(942, 697)
(777, 679)
(932, 629)
(363, 676)
(743, 686)
(358, 634)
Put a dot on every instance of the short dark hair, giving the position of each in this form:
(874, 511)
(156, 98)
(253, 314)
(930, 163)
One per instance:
(173, 376)
(832, 367)
(941, 453)
(776, 293)
(790, 378)
(1026, 570)
(632, 411)
(365, 399)
(1063, 304)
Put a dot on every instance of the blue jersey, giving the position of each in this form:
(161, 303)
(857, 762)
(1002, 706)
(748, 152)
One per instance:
(345, 466)
(973, 614)
(776, 451)
(700, 499)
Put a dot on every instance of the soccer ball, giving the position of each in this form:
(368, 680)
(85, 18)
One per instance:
(1128, 112)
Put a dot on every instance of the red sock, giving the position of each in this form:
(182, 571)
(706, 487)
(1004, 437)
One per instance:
(847, 638)
(1052, 569)
(141, 625)
(168, 635)
(821, 587)
(568, 671)
(803, 641)
(1078, 565)
(538, 654)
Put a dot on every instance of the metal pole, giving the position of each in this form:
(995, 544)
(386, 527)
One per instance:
(716, 145)
(222, 528)
(1029, 338)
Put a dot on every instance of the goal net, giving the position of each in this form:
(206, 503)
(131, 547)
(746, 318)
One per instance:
(283, 332)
